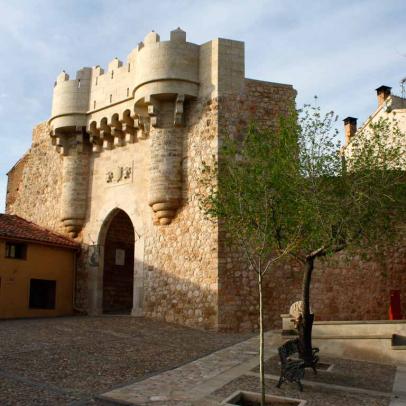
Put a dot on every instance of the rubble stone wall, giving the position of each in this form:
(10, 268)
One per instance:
(343, 287)
(14, 181)
(262, 103)
(181, 258)
(35, 183)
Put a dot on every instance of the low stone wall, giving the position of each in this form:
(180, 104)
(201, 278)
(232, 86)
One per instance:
(365, 340)
(358, 328)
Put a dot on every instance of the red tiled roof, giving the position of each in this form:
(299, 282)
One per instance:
(16, 228)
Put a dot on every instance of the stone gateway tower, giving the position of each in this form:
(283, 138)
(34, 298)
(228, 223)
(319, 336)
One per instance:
(117, 167)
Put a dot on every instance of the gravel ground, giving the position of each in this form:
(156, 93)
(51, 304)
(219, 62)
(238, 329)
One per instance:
(315, 396)
(345, 372)
(65, 361)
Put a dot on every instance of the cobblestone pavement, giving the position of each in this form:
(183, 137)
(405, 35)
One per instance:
(189, 382)
(209, 380)
(69, 361)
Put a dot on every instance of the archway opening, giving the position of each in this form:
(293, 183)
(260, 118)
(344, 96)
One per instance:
(118, 270)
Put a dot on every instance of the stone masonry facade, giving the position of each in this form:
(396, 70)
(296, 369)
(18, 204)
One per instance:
(35, 183)
(126, 146)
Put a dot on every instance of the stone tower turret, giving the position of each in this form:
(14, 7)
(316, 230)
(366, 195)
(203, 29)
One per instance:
(142, 99)
(68, 122)
(167, 77)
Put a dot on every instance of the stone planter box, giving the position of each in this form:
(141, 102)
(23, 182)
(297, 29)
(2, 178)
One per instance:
(243, 398)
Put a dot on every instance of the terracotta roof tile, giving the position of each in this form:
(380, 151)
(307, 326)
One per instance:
(15, 227)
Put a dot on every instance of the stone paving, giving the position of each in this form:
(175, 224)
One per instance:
(122, 360)
(69, 361)
(192, 381)
(211, 379)
(346, 372)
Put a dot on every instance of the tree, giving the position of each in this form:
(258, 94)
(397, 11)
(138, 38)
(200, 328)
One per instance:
(248, 189)
(348, 201)
(288, 191)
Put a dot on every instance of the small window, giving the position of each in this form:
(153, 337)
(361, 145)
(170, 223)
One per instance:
(42, 294)
(16, 250)
(112, 74)
(96, 80)
(129, 67)
(111, 98)
(94, 104)
(128, 91)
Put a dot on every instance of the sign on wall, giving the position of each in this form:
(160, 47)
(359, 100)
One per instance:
(119, 174)
(120, 256)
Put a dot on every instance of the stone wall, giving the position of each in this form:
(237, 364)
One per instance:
(185, 272)
(127, 191)
(261, 103)
(343, 287)
(35, 183)
(15, 175)
(175, 265)
(358, 289)
(181, 258)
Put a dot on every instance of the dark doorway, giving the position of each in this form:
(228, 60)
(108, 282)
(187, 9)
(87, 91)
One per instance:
(118, 271)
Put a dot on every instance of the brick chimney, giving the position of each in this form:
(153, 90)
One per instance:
(350, 128)
(383, 92)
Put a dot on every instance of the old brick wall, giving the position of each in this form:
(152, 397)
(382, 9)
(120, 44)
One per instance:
(35, 183)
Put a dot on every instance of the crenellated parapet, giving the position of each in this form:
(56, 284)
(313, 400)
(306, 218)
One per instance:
(70, 101)
(141, 99)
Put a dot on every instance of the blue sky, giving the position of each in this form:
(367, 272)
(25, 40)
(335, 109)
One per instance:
(338, 50)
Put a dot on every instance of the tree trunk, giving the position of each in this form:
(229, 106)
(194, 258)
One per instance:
(261, 341)
(305, 330)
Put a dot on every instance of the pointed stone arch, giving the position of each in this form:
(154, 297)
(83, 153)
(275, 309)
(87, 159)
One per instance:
(118, 264)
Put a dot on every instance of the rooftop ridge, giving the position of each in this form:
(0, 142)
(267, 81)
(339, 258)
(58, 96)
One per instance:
(13, 226)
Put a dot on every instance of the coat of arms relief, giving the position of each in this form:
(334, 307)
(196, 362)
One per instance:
(119, 175)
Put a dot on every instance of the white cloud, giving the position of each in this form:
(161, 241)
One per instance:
(340, 50)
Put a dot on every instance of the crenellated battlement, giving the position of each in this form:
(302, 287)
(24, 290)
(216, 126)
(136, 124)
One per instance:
(150, 60)
(144, 98)
(155, 69)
